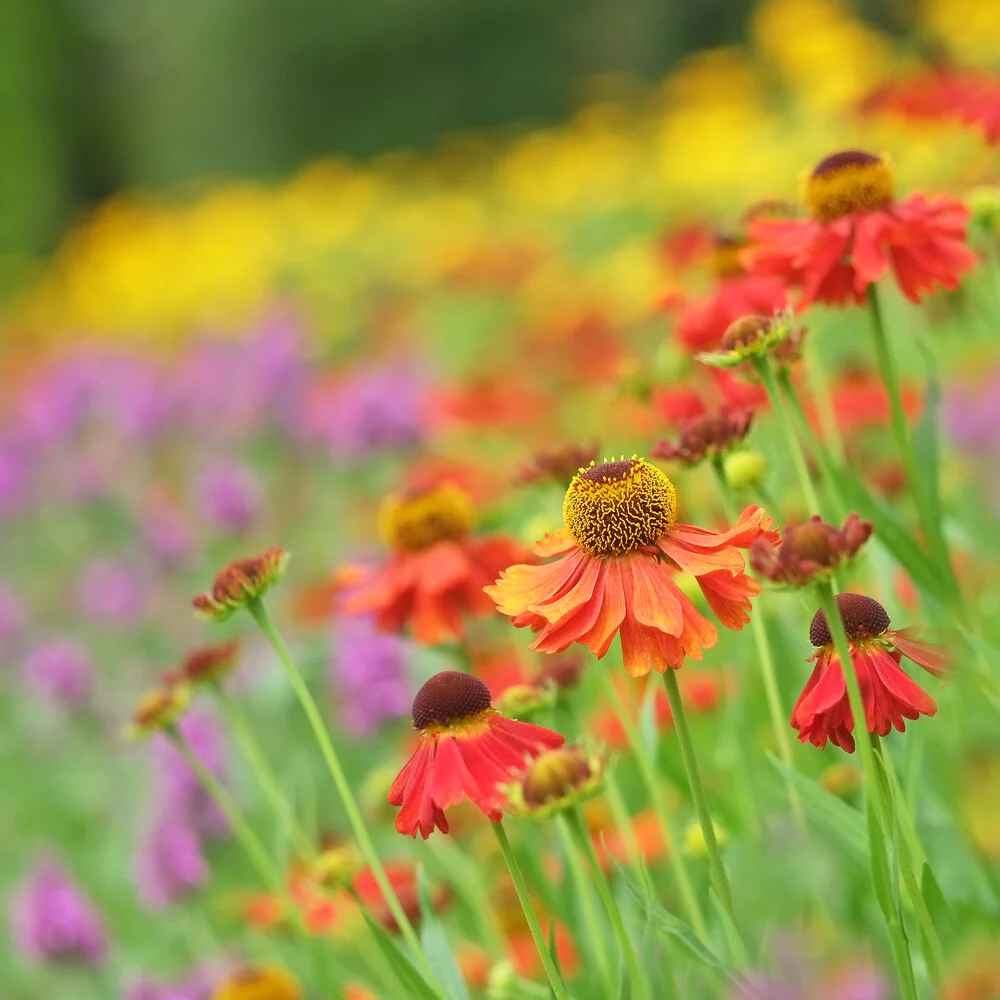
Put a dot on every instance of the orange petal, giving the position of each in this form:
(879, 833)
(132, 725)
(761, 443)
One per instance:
(555, 543)
(652, 599)
(522, 586)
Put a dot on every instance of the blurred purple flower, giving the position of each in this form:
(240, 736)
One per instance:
(111, 593)
(53, 405)
(181, 793)
(374, 409)
(11, 617)
(53, 921)
(170, 861)
(127, 395)
(229, 496)
(15, 474)
(370, 675)
(197, 986)
(166, 532)
(972, 415)
(275, 356)
(60, 670)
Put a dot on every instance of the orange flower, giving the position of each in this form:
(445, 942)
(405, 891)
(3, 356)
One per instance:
(435, 574)
(619, 549)
(402, 877)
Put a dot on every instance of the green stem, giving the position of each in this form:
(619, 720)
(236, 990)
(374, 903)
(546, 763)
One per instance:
(873, 793)
(819, 384)
(720, 880)
(766, 376)
(623, 823)
(583, 891)
(765, 659)
(266, 778)
(510, 859)
(673, 845)
(640, 985)
(261, 616)
(926, 505)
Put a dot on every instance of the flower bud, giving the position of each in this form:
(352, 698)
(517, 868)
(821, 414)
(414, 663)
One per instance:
(694, 840)
(157, 710)
(744, 469)
(556, 780)
(810, 551)
(239, 583)
(522, 701)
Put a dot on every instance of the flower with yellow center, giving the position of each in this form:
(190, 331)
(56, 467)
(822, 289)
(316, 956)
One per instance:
(260, 982)
(413, 522)
(846, 182)
(618, 554)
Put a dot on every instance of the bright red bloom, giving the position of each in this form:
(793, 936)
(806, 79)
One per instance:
(619, 550)
(858, 231)
(436, 571)
(982, 107)
(890, 695)
(466, 750)
(701, 325)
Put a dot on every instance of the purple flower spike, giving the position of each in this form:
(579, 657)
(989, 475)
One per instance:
(229, 496)
(61, 671)
(170, 862)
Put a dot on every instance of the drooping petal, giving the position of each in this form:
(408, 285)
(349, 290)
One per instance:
(931, 656)
(521, 586)
(729, 596)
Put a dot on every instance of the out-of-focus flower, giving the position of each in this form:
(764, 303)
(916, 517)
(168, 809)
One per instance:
(157, 710)
(612, 578)
(229, 495)
(555, 465)
(370, 675)
(61, 670)
(206, 664)
(809, 551)
(858, 231)
(166, 531)
(972, 414)
(752, 337)
(52, 920)
(15, 475)
(170, 861)
(111, 593)
(436, 570)
(239, 583)
(196, 986)
(402, 877)
(823, 711)
(711, 435)
(259, 982)
(376, 409)
(11, 617)
(555, 781)
(466, 750)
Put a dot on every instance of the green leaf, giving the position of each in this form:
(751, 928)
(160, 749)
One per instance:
(666, 923)
(934, 899)
(415, 985)
(434, 940)
(846, 823)
(737, 948)
(879, 867)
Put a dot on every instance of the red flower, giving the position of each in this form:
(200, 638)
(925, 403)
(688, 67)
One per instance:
(466, 750)
(890, 695)
(619, 550)
(858, 231)
(701, 325)
(809, 551)
(435, 574)
(712, 434)
(402, 878)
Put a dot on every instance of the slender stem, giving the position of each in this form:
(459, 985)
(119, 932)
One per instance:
(510, 859)
(673, 845)
(873, 793)
(583, 891)
(640, 984)
(765, 659)
(263, 619)
(798, 458)
(926, 505)
(720, 880)
(819, 385)
(266, 778)
(623, 823)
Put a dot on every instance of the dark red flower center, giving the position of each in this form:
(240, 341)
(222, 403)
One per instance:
(846, 182)
(863, 618)
(608, 471)
(447, 697)
(845, 158)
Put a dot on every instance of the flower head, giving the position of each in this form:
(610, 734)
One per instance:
(466, 749)
(890, 695)
(53, 921)
(616, 557)
(157, 710)
(239, 583)
(555, 465)
(403, 877)
(857, 231)
(206, 664)
(259, 982)
(556, 780)
(755, 336)
(809, 551)
(436, 569)
(708, 436)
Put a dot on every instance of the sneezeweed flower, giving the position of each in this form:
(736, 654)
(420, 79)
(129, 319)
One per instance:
(466, 749)
(754, 337)
(857, 231)
(711, 435)
(555, 465)
(52, 920)
(208, 664)
(809, 552)
(555, 781)
(890, 695)
(259, 982)
(239, 583)
(617, 553)
(158, 710)
(61, 671)
(437, 568)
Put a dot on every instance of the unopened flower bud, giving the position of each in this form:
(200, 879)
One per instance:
(521, 701)
(694, 840)
(744, 469)
(810, 551)
(556, 780)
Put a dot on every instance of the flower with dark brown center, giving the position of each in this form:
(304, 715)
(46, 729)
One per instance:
(809, 551)
(710, 435)
(846, 182)
(412, 522)
(157, 710)
(863, 618)
(555, 781)
(448, 698)
(614, 508)
(555, 465)
(239, 583)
